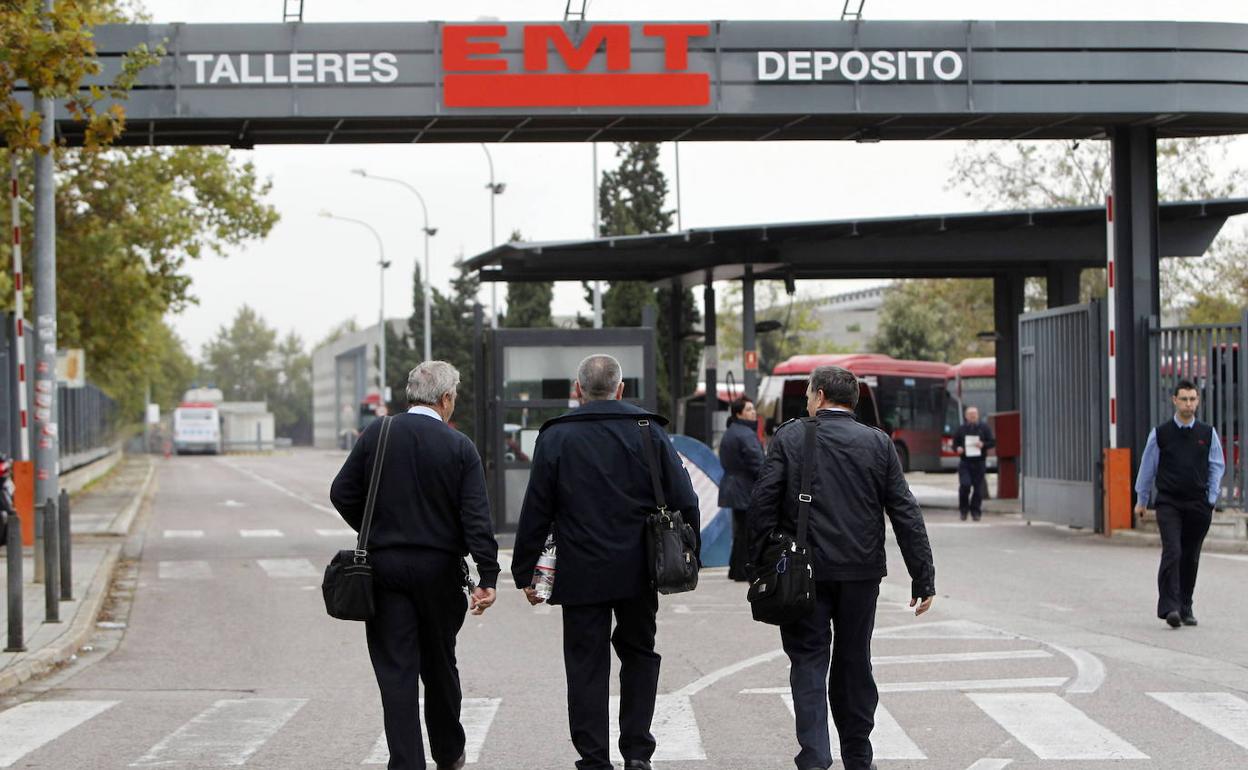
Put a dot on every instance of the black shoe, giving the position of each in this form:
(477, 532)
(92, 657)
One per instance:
(963, 516)
(1173, 619)
(1189, 619)
(456, 765)
(638, 764)
(976, 518)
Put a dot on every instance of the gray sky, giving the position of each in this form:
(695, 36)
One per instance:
(312, 273)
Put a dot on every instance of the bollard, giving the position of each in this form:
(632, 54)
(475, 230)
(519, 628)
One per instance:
(13, 555)
(52, 567)
(67, 562)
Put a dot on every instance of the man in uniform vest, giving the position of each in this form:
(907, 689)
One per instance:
(1184, 457)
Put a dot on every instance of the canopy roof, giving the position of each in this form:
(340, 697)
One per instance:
(935, 246)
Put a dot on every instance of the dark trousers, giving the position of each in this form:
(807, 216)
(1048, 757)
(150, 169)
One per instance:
(1183, 526)
(838, 631)
(411, 639)
(740, 555)
(971, 487)
(587, 642)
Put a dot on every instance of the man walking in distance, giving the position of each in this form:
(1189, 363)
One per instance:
(971, 441)
(590, 487)
(1184, 457)
(857, 478)
(741, 454)
(431, 510)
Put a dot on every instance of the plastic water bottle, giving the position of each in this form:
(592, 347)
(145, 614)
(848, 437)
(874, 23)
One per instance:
(544, 574)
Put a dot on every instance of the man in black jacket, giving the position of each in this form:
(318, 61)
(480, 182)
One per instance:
(857, 477)
(742, 457)
(971, 441)
(431, 511)
(590, 486)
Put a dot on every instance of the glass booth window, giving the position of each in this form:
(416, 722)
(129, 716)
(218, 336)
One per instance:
(536, 373)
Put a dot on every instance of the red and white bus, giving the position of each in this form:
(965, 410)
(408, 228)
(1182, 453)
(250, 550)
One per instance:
(909, 400)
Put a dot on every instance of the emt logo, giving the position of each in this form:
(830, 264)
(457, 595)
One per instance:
(478, 75)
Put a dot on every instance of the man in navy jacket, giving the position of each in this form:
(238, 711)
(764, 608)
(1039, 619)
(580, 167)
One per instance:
(589, 485)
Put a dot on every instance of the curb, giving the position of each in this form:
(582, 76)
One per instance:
(1153, 540)
(74, 481)
(66, 646)
(121, 525)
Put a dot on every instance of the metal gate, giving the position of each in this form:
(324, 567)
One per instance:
(1061, 393)
(1210, 357)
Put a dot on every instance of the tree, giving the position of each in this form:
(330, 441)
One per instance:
(528, 302)
(799, 332)
(454, 342)
(248, 363)
(936, 320)
(52, 54)
(632, 200)
(1052, 174)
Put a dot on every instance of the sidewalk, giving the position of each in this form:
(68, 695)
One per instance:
(100, 518)
(940, 490)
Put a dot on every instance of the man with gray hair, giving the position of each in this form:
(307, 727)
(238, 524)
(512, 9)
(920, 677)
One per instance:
(590, 487)
(431, 511)
(856, 479)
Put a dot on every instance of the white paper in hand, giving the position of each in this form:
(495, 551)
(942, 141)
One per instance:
(974, 447)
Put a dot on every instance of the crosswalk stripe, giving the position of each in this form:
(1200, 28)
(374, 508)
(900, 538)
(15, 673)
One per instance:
(991, 764)
(1052, 728)
(184, 570)
(960, 657)
(888, 740)
(261, 533)
(475, 714)
(227, 733)
(183, 533)
(675, 729)
(951, 685)
(1221, 712)
(31, 725)
(340, 532)
(288, 568)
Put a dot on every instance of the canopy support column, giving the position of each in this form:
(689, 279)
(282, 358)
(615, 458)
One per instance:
(711, 351)
(675, 351)
(1007, 301)
(749, 355)
(1062, 285)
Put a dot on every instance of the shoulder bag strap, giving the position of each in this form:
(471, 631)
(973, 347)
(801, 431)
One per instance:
(808, 474)
(647, 449)
(361, 546)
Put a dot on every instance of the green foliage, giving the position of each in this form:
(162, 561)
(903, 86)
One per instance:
(53, 54)
(248, 363)
(935, 320)
(453, 341)
(528, 303)
(800, 332)
(632, 199)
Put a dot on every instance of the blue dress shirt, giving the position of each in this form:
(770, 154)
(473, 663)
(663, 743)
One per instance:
(1148, 465)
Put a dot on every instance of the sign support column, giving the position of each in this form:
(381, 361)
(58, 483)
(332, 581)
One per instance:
(749, 355)
(710, 394)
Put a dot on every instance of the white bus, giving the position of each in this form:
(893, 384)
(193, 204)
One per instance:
(197, 428)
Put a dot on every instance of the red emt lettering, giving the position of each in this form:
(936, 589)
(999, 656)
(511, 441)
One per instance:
(476, 74)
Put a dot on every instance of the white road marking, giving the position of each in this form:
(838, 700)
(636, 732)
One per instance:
(1052, 728)
(701, 683)
(184, 570)
(944, 629)
(288, 568)
(227, 733)
(476, 715)
(675, 730)
(233, 504)
(1089, 670)
(31, 725)
(343, 532)
(952, 685)
(888, 740)
(183, 533)
(261, 533)
(1223, 713)
(990, 764)
(1228, 556)
(288, 492)
(959, 657)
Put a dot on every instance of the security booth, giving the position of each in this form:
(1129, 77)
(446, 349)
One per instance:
(527, 378)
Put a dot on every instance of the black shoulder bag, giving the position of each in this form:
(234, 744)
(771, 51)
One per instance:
(784, 584)
(348, 584)
(670, 541)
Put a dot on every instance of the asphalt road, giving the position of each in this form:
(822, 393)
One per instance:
(1041, 651)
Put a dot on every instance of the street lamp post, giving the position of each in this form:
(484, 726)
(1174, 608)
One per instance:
(495, 188)
(381, 307)
(428, 313)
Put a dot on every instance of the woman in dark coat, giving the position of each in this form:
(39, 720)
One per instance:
(741, 454)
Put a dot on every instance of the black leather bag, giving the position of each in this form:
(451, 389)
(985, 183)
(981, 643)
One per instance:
(348, 583)
(670, 542)
(783, 588)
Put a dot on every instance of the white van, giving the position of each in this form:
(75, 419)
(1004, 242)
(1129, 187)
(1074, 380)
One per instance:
(197, 428)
